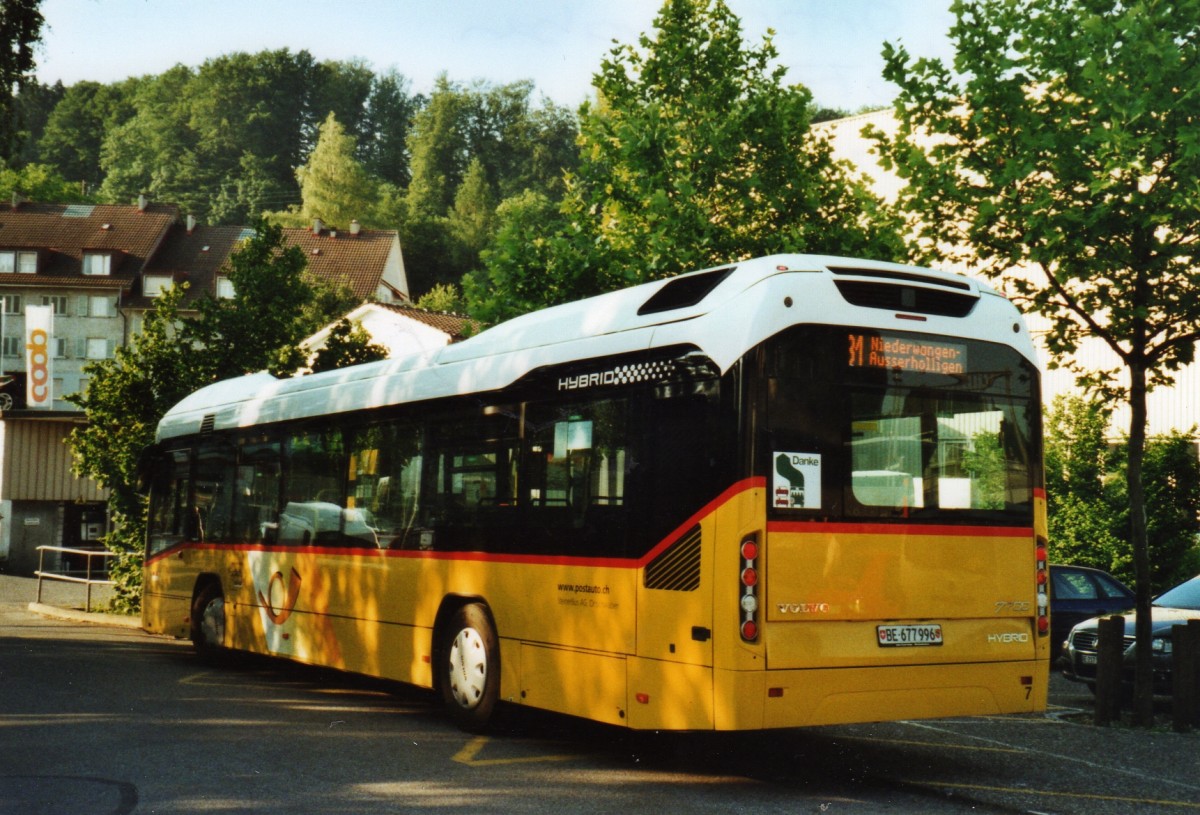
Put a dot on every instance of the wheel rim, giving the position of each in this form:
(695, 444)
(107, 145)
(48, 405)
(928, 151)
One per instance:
(212, 622)
(468, 668)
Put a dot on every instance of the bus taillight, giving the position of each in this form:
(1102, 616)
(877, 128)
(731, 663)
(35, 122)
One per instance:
(1043, 578)
(748, 578)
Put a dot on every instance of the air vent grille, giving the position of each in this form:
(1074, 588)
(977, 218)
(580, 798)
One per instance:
(906, 298)
(889, 274)
(208, 423)
(678, 567)
(685, 291)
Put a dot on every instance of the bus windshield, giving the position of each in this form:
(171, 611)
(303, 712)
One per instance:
(924, 429)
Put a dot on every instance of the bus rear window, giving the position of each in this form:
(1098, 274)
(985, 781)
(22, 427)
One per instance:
(941, 428)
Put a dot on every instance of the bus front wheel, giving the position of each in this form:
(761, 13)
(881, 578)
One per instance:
(470, 671)
(208, 622)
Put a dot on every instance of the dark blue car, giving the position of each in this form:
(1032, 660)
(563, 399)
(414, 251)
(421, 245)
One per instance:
(1173, 607)
(1078, 593)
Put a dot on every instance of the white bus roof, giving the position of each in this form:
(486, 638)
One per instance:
(723, 312)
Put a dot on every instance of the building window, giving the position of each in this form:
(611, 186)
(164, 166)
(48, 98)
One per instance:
(12, 303)
(59, 344)
(56, 301)
(97, 348)
(225, 288)
(155, 285)
(97, 264)
(23, 262)
(13, 346)
(96, 305)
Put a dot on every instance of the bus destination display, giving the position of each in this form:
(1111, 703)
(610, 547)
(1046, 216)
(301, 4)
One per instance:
(873, 350)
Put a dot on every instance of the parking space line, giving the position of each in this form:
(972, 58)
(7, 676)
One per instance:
(470, 752)
(1058, 756)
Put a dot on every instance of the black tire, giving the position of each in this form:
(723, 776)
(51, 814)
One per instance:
(208, 622)
(469, 671)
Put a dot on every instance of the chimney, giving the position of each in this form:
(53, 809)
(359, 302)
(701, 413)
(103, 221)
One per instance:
(355, 228)
(143, 202)
(317, 226)
(191, 223)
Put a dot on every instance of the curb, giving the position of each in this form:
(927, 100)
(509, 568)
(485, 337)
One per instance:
(96, 618)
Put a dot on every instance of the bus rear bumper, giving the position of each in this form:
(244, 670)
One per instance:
(812, 697)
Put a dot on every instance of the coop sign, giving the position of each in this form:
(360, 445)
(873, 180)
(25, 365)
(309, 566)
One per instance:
(39, 327)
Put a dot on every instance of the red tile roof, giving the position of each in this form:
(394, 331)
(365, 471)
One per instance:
(456, 325)
(152, 241)
(336, 254)
(62, 233)
(194, 257)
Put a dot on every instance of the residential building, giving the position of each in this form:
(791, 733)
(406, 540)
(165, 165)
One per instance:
(98, 269)
(402, 329)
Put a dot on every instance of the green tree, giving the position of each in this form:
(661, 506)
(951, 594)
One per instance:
(35, 103)
(348, 344)
(123, 401)
(262, 325)
(145, 152)
(391, 110)
(329, 300)
(334, 186)
(443, 297)
(540, 256)
(470, 146)
(168, 358)
(696, 154)
(472, 220)
(1064, 142)
(1083, 523)
(74, 134)
(1089, 502)
(20, 30)
(1171, 473)
(39, 182)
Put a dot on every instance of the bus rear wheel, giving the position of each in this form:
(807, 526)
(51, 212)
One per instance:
(470, 669)
(208, 622)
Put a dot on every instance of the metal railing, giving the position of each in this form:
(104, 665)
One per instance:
(87, 577)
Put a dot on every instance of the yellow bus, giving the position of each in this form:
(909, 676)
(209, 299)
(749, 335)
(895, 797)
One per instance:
(795, 490)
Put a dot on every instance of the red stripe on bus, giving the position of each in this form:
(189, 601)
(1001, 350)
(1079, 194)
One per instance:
(821, 527)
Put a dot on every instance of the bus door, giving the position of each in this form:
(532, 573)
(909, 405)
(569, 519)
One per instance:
(170, 562)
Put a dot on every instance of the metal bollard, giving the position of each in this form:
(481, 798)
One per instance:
(1185, 676)
(1110, 658)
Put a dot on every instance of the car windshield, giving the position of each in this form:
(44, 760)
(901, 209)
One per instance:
(1185, 595)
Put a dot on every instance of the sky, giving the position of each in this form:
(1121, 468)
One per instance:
(831, 46)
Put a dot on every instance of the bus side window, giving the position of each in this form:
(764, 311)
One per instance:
(212, 494)
(472, 481)
(384, 486)
(256, 496)
(574, 486)
(313, 501)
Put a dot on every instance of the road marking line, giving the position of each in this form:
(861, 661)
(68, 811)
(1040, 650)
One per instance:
(1060, 756)
(1056, 794)
(468, 755)
(916, 743)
